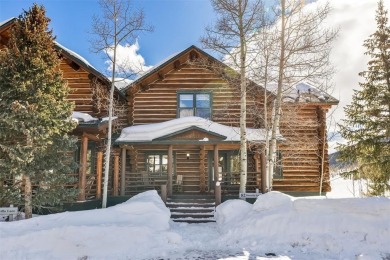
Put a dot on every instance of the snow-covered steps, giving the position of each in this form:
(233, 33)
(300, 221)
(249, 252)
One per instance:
(192, 208)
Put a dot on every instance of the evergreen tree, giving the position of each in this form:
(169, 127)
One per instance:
(35, 149)
(367, 127)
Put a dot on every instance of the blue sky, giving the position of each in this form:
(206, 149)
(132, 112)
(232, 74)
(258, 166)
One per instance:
(177, 24)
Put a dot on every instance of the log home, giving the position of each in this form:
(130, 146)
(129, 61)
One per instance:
(184, 131)
(179, 125)
(89, 92)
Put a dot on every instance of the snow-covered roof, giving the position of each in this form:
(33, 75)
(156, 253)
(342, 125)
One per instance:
(80, 117)
(7, 21)
(121, 83)
(152, 132)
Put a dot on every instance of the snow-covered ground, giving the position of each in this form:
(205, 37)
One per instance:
(276, 224)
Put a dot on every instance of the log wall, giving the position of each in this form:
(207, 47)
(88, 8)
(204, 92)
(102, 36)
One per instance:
(157, 102)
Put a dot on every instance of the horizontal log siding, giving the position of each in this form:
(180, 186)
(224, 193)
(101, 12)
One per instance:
(158, 101)
(301, 152)
(80, 88)
(82, 94)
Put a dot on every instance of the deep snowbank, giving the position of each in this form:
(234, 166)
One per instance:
(127, 229)
(335, 228)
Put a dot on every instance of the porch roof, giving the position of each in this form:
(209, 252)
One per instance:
(162, 132)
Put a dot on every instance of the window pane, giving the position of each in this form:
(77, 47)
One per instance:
(186, 100)
(186, 112)
(164, 168)
(165, 159)
(157, 168)
(203, 112)
(202, 100)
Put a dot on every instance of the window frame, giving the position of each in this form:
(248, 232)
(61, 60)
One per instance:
(194, 108)
(161, 154)
(278, 165)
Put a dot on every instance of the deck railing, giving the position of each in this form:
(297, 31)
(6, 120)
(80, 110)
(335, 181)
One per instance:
(230, 182)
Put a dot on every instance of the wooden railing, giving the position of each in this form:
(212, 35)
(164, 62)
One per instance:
(137, 182)
(230, 183)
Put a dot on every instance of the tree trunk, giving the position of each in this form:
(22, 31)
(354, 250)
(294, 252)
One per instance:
(27, 197)
(109, 134)
(243, 144)
(277, 107)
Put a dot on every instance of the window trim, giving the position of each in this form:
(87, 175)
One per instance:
(194, 93)
(160, 153)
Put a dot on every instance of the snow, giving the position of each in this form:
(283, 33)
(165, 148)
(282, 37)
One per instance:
(82, 117)
(140, 228)
(122, 83)
(147, 133)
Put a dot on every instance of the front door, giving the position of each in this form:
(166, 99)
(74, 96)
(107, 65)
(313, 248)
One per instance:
(228, 164)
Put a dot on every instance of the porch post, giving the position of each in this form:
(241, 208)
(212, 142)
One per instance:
(83, 168)
(263, 170)
(216, 158)
(123, 172)
(170, 169)
(116, 175)
(99, 169)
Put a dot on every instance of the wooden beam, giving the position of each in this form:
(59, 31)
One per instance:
(202, 169)
(170, 170)
(83, 168)
(91, 137)
(116, 175)
(123, 172)
(99, 170)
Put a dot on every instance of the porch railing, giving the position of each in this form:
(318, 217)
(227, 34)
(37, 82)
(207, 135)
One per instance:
(137, 182)
(230, 182)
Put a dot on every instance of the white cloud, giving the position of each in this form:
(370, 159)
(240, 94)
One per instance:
(356, 21)
(128, 60)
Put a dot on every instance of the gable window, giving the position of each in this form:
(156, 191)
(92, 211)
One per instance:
(194, 104)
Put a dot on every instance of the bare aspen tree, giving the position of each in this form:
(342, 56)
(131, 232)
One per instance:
(234, 29)
(119, 23)
(302, 53)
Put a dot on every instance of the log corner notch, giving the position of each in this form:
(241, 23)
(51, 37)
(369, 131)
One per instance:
(177, 65)
(72, 64)
(193, 55)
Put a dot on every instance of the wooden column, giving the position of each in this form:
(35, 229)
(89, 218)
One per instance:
(123, 172)
(170, 170)
(116, 175)
(83, 168)
(263, 170)
(202, 169)
(216, 159)
(99, 170)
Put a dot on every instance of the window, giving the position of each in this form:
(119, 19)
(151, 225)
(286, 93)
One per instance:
(194, 104)
(90, 157)
(278, 167)
(157, 163)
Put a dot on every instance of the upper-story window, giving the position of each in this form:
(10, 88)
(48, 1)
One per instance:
(194, 104)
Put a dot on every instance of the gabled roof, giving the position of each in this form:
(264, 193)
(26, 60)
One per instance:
(69, 54)
(298, 93)
(158, 132)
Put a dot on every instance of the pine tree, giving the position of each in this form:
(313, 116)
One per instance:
(35, 149)
(367, 127)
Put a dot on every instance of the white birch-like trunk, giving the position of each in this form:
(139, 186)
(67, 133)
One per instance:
(110, 115)
(278, 101)
(243, 143)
